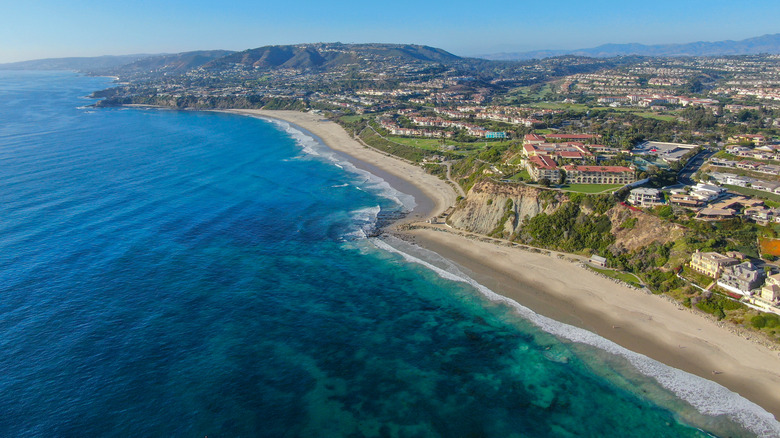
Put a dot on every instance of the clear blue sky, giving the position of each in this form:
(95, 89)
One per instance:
(31, 29)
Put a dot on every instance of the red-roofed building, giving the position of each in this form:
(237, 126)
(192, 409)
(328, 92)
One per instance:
(533, 139)
(540, 167)
(599, 174)
(569, 155)
(572, 137)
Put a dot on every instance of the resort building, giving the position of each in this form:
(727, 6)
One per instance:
(599, 174)
(645, 197)
(533, 139)
(572, 137)
(541, 167)
(711, 264)
(741, 278)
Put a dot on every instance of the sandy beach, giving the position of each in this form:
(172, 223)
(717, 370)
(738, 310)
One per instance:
(562, 290)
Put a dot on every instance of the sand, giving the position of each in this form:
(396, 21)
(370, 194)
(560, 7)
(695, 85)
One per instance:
(557, 288)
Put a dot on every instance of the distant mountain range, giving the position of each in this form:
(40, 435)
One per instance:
(764, 44)
(78, 64)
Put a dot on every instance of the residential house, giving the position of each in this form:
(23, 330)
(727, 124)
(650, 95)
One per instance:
(645, 197)
(715, 214)
(686, 201)
(741, 278)
(770, 292)
(707, 192)
(711, 264)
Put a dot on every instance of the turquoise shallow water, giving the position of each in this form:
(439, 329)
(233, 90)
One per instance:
(172, 273)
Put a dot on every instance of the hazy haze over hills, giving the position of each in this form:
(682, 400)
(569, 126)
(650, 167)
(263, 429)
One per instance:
(764, 44)
(77, 63)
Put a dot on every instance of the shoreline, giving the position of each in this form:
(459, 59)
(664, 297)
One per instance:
(561, 290)
(403, 176)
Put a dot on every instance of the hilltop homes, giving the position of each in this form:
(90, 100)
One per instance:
(645, 197)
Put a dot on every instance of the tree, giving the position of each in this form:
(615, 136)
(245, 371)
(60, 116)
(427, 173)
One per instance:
(562, 178)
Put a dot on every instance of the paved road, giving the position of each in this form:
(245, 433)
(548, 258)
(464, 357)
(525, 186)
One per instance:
(694, 164)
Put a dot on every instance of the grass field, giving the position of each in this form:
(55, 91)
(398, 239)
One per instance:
(430, 144)
(590, 188)
(350, 119)
(619, 275)
(583, 108)
(520, 176)
(434, 144)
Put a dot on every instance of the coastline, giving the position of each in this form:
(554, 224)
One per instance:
(559, 289)
(439, 194)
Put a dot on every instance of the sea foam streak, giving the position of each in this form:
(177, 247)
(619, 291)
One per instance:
(708, 397)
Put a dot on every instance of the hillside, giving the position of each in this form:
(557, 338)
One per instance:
(178, 63)
(326, 56)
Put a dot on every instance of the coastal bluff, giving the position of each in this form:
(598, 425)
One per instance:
(503, 209)
(490, 205)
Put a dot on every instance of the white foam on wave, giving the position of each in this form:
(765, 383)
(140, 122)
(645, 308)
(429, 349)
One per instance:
(311, 146)
(706, 396)
(365, 220)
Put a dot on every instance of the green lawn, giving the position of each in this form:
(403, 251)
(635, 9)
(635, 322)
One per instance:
(434, 144)
(590, 188)
(430, 144)
(350, 119)
(520, 176)
(540, 94)
(583, 107)
(651, 115)
(753, 192)
(625, 277)
(560, 105)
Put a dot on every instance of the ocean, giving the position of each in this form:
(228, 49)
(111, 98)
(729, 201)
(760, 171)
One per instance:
(171, 273)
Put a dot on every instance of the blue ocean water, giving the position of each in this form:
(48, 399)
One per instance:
(170, 273)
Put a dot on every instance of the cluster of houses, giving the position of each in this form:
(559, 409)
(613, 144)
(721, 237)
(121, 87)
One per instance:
(497, 114)
(741, 278)
(753, 166)
(711, 203)
(541, 153)
(656, 100)
(438, 122)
